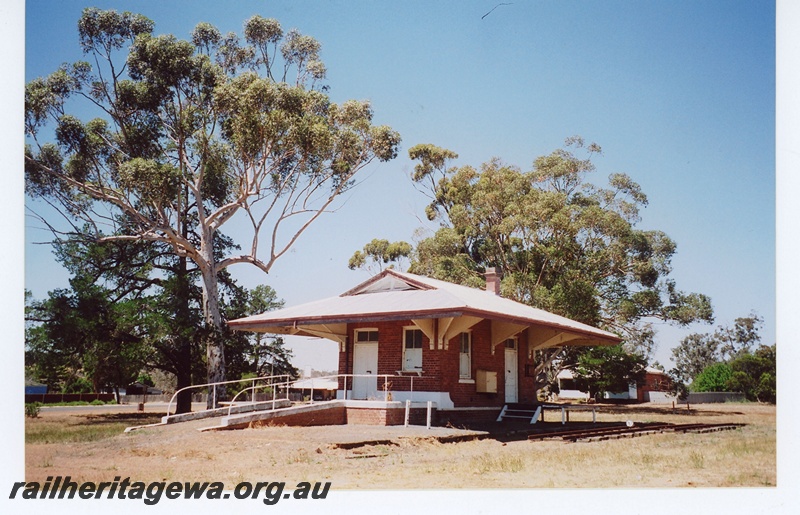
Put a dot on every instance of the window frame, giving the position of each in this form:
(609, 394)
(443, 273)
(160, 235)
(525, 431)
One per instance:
(404, 363)
(461, 374)
(367, 330)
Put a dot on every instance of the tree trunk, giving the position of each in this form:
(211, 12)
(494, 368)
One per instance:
(214, 336)
(215, 357)
(183, 372)
(184, 377)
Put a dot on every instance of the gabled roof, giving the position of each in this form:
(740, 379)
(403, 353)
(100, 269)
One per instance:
(393, 295)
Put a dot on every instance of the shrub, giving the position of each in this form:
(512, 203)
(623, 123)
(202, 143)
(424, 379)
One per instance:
(97, 402)
(145, 379)
(754, 375)
(713, 378)
(766, 391)
(32, 409)
(79, 385)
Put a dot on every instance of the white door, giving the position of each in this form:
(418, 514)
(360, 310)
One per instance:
(511, 370)
(365, 361)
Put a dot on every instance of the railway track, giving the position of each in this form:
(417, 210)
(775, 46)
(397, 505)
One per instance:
(599, 434)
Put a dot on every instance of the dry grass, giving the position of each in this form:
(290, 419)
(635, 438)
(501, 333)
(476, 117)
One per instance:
(95, 449)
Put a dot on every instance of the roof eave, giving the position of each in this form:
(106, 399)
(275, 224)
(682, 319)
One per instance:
(394, 316)
(346, 319)
(542, 323)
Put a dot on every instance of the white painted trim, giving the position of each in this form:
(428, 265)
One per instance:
(456, 327)
(383, 404)
(471, 352)
(428, 328)
(417, 370)
(440, 399)
(477, 408)
(502, 331)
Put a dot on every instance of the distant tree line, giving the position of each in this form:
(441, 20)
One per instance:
(130, 309)
(731, 359)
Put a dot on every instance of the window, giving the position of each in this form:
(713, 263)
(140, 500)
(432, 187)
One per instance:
(511, 343)
(412, 349)
(366, 335)
(465, 356)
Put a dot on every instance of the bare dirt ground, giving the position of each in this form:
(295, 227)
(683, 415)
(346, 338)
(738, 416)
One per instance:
(89, 445)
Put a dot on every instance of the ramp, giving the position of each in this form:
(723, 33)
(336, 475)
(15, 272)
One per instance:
(319, 413)
(218, 412)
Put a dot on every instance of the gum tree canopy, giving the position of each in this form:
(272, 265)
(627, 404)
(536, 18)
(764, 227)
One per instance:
(192, 134)
(562, 243)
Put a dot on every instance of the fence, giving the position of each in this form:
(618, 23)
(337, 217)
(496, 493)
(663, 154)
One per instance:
(709, 397)
(136, 399)
(52, 398)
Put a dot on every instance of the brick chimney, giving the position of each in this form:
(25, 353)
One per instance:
(492, 281)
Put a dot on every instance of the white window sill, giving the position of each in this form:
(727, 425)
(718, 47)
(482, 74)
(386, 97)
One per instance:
(417, 372)
(466, 381)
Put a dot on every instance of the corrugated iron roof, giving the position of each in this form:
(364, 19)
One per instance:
(393, 295)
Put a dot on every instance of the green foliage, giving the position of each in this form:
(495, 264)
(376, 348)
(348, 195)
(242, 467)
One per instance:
(562, 243)
(694, 353)
(194, 133)
(110, 30)
(79, 385)
(698, 351)
(380, 252)
(32, 409)
(261, 354)
(754, 374)
(82, 340)
(750, 373)
(145, 379)
(713, 378)
(766, 390)
(263, 298)
(609, 369)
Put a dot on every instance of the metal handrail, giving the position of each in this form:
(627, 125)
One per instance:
(385, 382)
(219, 383)
(287, 384)
(253, 387)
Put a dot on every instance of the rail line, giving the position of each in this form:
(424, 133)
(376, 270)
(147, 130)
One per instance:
(598, 434)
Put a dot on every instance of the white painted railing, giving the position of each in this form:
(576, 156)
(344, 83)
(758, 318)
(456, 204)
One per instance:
(285, 382)
(285, 377)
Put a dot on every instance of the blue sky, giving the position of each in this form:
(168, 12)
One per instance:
(680, 96)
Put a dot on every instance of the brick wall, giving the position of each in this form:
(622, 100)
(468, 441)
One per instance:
(373, 417)
(388, 416)
(441, 367)
(332, 416)
(465, 417)
(341, 415)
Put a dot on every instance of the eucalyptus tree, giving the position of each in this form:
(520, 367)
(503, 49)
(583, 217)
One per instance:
(212, 128)
(379, 253)
(562, 243)
(697, 351)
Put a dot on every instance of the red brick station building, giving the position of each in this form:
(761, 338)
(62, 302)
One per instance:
(467, 350)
